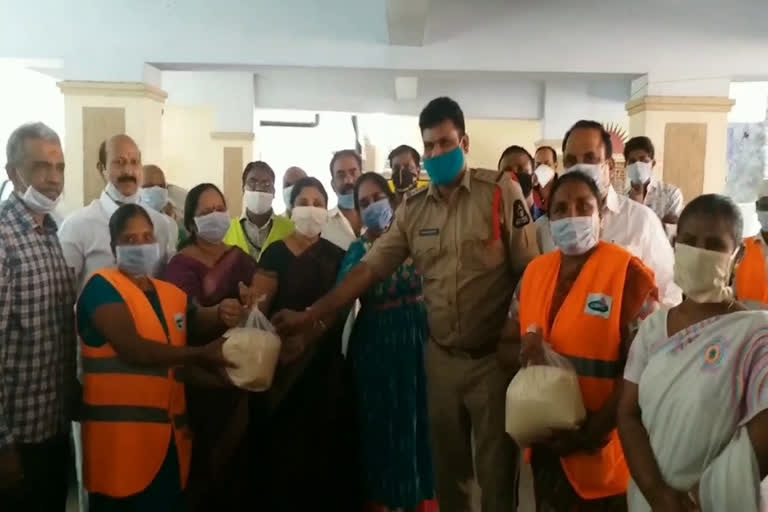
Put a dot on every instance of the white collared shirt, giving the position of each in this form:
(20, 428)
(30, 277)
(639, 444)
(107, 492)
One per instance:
(85, 240)
(663, 198)
(338, 231)
(636, 228)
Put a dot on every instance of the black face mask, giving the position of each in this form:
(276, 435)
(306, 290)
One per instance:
(404, 180)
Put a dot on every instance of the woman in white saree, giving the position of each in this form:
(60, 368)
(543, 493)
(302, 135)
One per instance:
(693, 417)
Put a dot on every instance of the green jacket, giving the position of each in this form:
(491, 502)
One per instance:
(281, 228)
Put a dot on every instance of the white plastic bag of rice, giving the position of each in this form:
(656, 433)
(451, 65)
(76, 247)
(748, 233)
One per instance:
(541, 399)
(255, 352)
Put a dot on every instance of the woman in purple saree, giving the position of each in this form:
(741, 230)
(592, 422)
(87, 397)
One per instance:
(210, 271)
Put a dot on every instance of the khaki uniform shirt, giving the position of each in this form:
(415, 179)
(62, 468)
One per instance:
(469, 277)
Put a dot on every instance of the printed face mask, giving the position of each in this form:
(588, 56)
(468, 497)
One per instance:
(703, 275)
(576, 235)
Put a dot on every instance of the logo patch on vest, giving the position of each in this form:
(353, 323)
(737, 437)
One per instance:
(178, 319)
(599, 305)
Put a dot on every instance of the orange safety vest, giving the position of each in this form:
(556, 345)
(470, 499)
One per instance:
(587, 330)
(130, 412)
(751, 282)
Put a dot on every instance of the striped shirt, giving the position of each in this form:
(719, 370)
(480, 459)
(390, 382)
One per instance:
(37, 330)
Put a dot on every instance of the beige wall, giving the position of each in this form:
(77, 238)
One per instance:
(652, 123)
(190, 156)
(142, 122)
(489, 137)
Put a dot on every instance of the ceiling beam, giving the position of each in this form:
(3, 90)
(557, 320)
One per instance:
(406, 21)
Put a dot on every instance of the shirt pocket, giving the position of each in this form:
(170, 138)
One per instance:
(482, 254)
(424, 253)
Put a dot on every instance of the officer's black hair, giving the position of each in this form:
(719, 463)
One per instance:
(439, 110)
(592, 125)
(120, 218)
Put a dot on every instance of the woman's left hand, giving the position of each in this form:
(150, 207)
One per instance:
(231, 312)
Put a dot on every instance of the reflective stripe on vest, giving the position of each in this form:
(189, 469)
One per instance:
(751, 282)
(114, 365)
(130, 412)
(590, 338)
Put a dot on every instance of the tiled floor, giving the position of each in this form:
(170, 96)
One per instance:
(526, 494)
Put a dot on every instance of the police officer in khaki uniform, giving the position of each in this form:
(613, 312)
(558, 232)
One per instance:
(470, 236)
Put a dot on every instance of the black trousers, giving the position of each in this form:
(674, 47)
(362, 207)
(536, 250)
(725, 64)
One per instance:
(46, 478)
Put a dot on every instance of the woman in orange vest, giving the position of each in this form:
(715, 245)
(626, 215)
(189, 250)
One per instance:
(586, 300)
(751, 286)
(133, 331)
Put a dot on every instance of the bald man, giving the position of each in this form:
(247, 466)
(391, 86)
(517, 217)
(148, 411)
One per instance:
(290, 177)
(84, 235)
(154, 195)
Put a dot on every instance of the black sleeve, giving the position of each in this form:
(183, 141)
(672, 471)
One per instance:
(274, 257)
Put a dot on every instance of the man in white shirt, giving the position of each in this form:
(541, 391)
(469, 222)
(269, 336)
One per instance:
(665, 199)
(344, 223)
(587, 148)
(154, 195)
(84, 234)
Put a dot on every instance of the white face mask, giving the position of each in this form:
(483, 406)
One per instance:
(640, 172)
(704, 276)
(39, 202)
(762, 218)
(257, 202)
(118, 196)
(576, 235)
(309, 220)
(544, 175)
(154, 197)
(597, 172)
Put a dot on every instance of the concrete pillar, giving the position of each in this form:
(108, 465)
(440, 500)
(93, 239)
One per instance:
(689, 134)
(234, 151)
(95, 111)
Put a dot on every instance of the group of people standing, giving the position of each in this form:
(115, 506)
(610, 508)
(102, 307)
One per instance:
(114, 320)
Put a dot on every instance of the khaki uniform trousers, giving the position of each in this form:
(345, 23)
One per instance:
(466, 399)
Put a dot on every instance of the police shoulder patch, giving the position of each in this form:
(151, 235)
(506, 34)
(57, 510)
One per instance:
(486, 175)
(415, 192)
(520, 216)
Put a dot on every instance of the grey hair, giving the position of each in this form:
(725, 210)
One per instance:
(14, 150)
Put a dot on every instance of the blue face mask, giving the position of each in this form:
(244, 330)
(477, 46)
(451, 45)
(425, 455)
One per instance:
(377, 216)
(138, 260)
(347, 201)
(444, 169)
